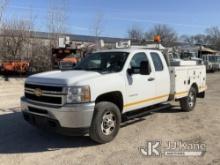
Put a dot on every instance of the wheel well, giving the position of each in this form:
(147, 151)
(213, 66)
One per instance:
(114, 97)
(194, 85)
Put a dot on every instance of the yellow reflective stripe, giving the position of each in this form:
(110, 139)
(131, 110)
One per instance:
(202, 88)
(182, 93)
(144, 101)
(186, 92)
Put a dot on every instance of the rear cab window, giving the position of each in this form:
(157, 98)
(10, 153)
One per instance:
(158, 64)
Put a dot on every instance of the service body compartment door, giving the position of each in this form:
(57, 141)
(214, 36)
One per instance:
(182, 82)
(182, 78)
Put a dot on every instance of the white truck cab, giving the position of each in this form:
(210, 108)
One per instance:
(217, 64)
(211, 63)
(107, 86)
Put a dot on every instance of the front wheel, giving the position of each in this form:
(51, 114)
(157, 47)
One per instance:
(106, 122)
(188, 103)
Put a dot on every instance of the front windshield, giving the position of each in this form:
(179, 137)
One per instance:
(103, 62)
(212, 58)
(186, 55)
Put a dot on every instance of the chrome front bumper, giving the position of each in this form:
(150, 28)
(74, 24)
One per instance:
(68, 116)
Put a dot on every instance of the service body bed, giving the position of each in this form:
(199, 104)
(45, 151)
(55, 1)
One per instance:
(183, 77)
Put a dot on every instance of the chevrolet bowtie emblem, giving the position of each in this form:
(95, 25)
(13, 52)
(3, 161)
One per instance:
(38, 92)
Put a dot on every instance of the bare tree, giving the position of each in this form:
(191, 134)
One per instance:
(135, 33)
(16, 35)
(40, 60)
(57, 20)
(213, 37)
(200, 39)
(3, 4)
(57, 23)
(97, 27)
(194, 39)
(187, 39)
(167, 34)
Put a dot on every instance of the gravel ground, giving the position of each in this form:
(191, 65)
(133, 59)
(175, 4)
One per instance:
(23, 144)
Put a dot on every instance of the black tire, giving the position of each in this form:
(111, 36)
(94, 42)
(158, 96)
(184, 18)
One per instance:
(188, 103)
(98, 130)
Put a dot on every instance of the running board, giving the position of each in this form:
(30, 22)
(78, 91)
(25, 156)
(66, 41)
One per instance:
(143, 112)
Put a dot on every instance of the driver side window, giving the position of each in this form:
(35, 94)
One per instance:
(136, 62)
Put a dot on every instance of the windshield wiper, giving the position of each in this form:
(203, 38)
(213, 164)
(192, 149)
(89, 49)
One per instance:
(78, 69)
(87, 69)
(96, 70)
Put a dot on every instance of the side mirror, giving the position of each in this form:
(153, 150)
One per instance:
(144, 68)
(130, 71)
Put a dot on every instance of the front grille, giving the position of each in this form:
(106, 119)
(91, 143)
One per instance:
(46, 94)
(44, 99)
(45, 88)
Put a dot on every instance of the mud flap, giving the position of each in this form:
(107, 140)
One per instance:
(201, 95)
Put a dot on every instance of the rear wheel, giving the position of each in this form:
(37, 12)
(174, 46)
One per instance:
(106, 122)
(188, 103)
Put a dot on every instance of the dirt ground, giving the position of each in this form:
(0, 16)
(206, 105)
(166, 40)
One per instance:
(22, 144)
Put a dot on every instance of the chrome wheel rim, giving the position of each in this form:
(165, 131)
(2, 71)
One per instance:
(191, 99)
(108, 123)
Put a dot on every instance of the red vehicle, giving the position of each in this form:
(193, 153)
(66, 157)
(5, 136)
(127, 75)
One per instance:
(15, 66)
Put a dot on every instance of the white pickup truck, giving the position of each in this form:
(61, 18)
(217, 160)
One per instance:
(107, 86)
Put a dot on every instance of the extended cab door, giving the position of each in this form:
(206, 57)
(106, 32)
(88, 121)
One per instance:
(162, 76)
(140, 89)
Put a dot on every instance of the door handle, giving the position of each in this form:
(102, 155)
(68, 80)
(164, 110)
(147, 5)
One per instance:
(151, 79)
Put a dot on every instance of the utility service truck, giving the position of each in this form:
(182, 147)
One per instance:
(211, 63)
(107, 87)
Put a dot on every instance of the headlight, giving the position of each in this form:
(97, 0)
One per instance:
(78, 94)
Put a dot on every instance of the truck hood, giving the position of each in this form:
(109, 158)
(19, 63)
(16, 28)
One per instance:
(62, 77)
